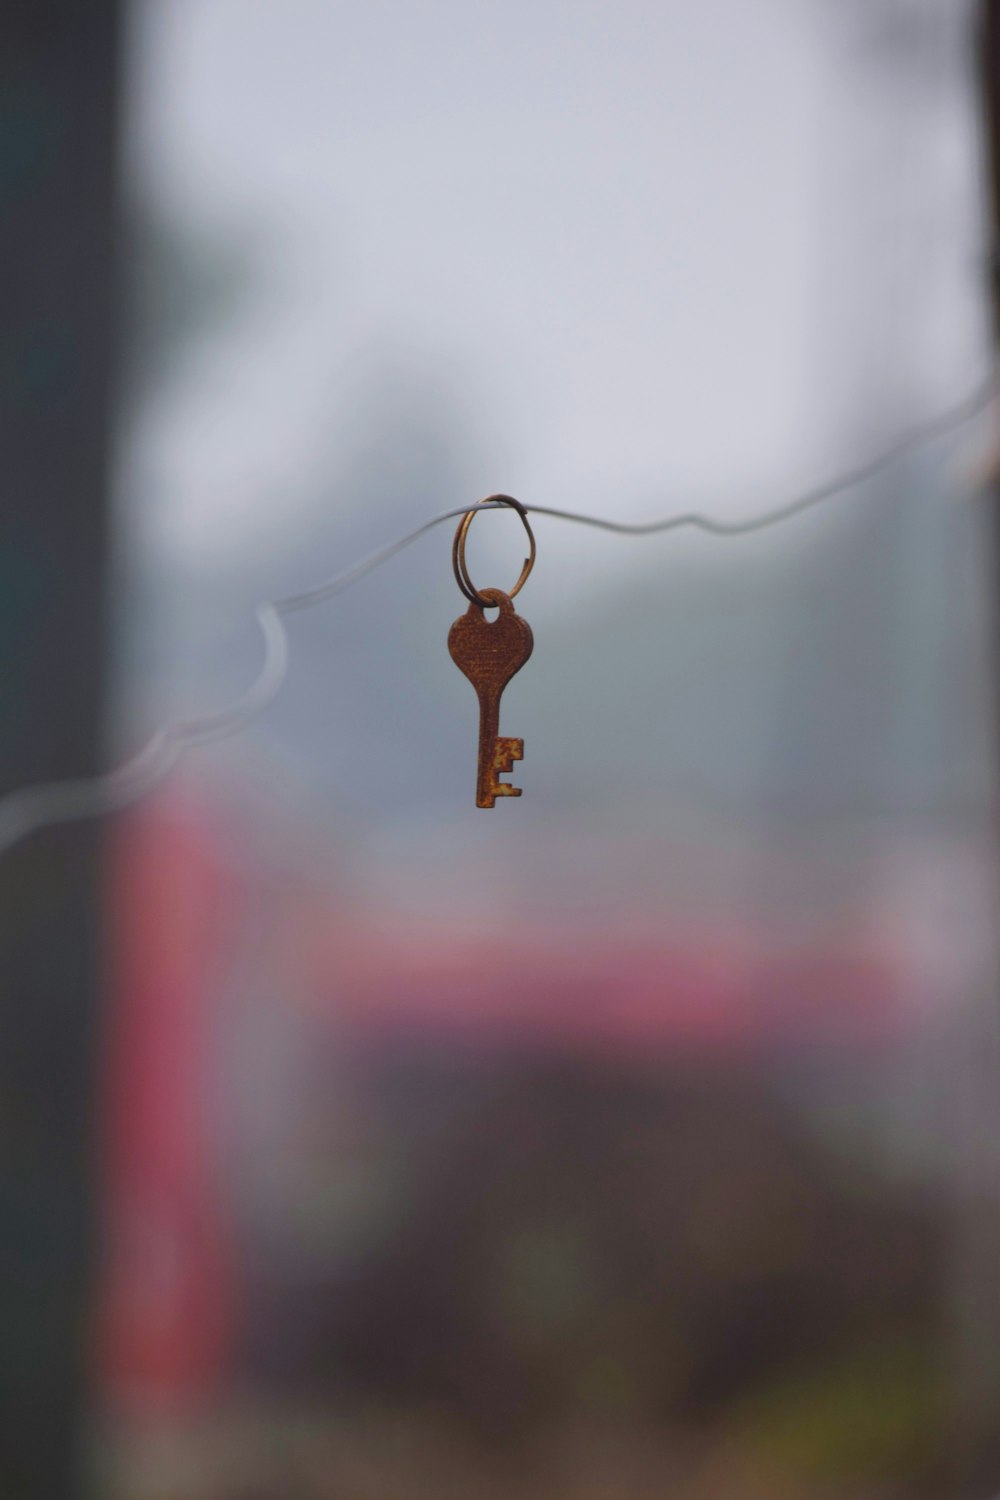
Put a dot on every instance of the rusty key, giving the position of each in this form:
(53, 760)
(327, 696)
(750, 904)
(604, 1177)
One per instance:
(489, 653)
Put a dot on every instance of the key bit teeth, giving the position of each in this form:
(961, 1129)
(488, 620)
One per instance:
(503, 789)
(506, 753)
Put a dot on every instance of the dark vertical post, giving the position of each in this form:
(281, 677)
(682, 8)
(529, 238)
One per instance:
(989, 58)
(979, 1288)
(58, 101)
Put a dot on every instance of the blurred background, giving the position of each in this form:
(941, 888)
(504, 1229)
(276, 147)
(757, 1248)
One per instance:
(638, 1140)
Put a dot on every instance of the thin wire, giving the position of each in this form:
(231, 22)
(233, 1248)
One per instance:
(46, 804)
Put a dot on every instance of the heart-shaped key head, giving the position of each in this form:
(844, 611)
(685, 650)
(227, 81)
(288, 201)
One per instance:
(489, 652)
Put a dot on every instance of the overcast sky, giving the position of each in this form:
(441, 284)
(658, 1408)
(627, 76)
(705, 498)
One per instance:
(650, 253)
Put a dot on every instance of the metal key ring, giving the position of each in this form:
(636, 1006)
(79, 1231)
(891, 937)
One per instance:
(458, 550)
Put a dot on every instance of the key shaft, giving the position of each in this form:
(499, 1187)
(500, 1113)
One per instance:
(497, 752)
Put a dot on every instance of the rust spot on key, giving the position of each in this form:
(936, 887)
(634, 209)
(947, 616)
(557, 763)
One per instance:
(489, 653)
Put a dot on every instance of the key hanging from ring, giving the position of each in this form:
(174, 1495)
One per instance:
(489, 653)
